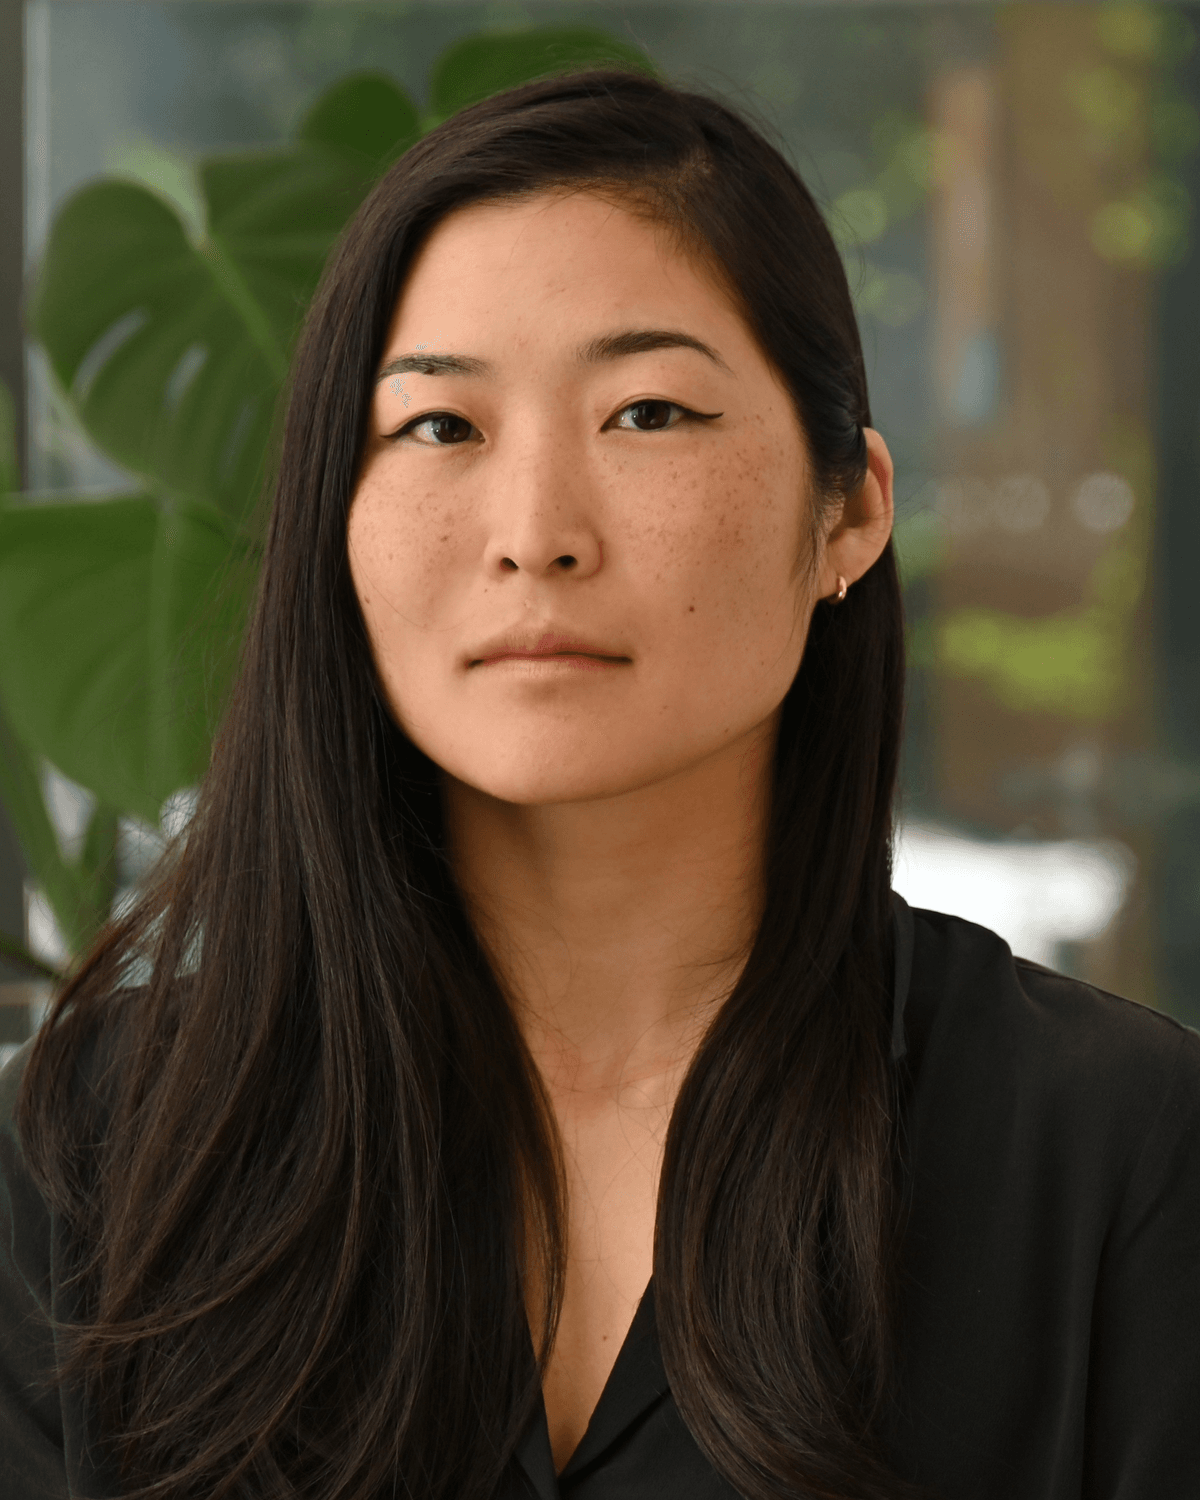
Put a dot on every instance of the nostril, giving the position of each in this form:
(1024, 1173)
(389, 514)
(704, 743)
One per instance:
(507, 562)
(565, 561)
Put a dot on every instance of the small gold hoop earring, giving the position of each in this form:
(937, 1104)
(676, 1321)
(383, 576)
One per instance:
(841, 591)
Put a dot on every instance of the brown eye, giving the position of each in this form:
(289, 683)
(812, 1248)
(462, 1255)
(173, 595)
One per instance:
(655, 414)
(440, 420)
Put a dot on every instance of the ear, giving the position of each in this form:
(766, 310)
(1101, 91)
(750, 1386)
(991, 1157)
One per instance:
(861, 531)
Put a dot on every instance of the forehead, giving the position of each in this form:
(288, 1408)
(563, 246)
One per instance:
(557, 254)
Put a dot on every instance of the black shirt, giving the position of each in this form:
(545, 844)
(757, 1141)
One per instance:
(1050, 1280)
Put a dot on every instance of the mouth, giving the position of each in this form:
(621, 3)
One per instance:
(549, 651)
(554, 660)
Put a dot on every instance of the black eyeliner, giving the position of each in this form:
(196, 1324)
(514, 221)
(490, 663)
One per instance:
(429, 416)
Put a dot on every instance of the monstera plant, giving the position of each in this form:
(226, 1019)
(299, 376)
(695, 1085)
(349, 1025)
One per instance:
(120, 618)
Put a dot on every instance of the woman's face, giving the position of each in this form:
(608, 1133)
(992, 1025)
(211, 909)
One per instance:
(573, 586)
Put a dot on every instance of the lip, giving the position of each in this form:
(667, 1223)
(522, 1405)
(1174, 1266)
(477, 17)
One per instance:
(546, 646)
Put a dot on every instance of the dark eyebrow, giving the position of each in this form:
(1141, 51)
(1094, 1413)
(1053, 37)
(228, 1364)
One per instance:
(595, 351)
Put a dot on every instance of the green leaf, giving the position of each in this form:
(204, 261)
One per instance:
(477, 67)
(21, 792)
(119, 625)
(98, 872)
(20, 785)
(273, 218)
(80, 893)
(174, 353)
(365, 116)
(167, 373)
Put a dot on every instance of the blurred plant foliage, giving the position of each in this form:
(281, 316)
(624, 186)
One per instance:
(1076, 662)
(906, 156)
(1133, 119)
(121, 618)
(1137, 117)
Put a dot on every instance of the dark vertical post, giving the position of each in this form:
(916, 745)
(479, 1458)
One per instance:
(12, 358)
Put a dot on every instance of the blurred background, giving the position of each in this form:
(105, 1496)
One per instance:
(1014, 190)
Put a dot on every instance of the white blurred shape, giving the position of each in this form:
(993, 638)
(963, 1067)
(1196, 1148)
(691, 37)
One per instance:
(70, 807)
(1103, 502)
(40, 996)
(176, 812)
(1021, 503)
(138, 847)
(965, 503)
(42, 932)
(1036, 895)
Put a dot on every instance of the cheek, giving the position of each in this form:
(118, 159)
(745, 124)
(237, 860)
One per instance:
(402, 559)
(400, 567)
(725, 547)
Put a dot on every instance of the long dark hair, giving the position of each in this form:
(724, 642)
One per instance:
(296, 1191)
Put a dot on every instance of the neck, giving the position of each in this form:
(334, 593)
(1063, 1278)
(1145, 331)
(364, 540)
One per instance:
(618, 926)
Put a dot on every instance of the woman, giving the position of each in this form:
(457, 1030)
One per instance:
(530, 1084)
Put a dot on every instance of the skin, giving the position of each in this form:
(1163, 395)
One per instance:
(607, 818)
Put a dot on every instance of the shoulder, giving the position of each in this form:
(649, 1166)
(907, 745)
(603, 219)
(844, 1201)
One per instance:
(1006, 1039)
(966, 981)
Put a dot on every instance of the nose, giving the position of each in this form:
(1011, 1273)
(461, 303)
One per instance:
(531, 560)
(544, 539)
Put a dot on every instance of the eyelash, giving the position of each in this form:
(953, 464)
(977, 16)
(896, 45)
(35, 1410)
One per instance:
(433, 416)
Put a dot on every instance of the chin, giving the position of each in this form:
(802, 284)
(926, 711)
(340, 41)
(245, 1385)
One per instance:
(542, 776)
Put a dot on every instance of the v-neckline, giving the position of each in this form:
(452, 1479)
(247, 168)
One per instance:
(635, 1382)
(637, 1379)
